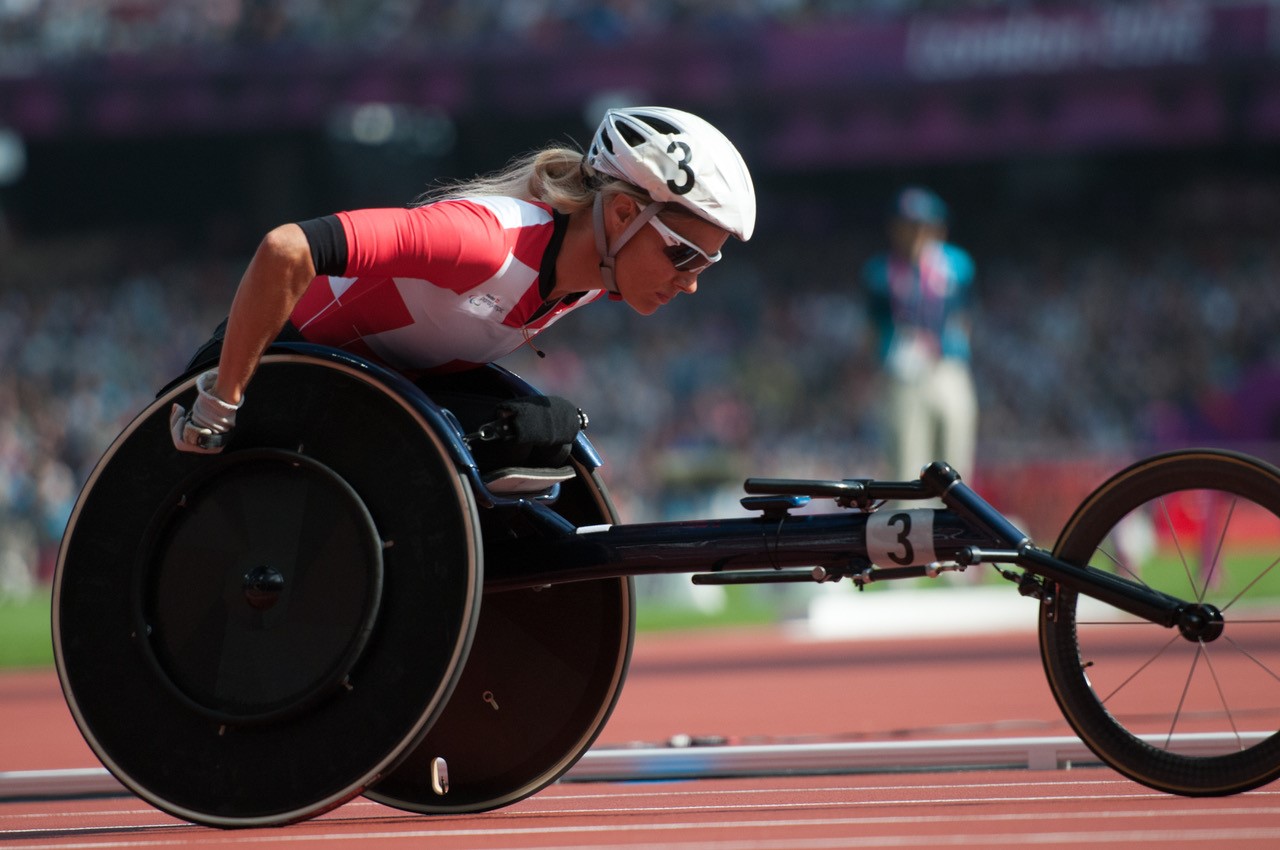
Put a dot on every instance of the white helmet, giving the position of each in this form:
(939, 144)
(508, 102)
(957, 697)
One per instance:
(677, 158)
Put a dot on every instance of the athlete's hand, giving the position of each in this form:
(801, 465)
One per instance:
(204, 430)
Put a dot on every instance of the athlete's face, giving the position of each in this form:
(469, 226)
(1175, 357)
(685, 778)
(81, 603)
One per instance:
(908, 237)
(665, 258)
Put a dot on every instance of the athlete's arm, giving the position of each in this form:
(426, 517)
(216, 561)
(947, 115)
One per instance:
(274, 281)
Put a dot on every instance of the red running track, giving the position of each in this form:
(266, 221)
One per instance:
(748, 687)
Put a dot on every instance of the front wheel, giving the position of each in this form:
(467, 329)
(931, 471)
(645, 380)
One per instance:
(1195, 715)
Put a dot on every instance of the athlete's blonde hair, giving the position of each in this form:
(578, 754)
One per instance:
(556, 176)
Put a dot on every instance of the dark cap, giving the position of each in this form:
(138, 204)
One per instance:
(915, 203)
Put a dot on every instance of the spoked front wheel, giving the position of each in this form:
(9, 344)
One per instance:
(1186, 712)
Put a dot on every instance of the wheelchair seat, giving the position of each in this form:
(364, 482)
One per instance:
(526, 480)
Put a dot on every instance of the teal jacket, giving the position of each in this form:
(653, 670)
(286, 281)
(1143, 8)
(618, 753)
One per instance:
(932, 296)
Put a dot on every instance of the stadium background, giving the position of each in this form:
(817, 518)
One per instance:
(1112, 167)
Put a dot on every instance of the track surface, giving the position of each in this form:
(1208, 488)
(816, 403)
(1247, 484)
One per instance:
(755, 687)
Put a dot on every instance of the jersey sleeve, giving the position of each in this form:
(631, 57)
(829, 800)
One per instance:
(328, 244)
(452, 244)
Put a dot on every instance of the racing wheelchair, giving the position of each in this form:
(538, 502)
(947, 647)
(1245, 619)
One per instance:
(344, 601)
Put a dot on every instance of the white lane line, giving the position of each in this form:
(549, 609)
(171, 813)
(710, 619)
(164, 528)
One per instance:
(516, 813)
(934, 841)
(609, 805)
(1216, 837)
(80, 815)
(685, 791)
(551, 793)
(845, 804)
(304, 834)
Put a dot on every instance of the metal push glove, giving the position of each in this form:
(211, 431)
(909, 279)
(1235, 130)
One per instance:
(204, 430)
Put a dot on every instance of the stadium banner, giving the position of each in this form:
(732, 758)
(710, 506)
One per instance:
(832, 90)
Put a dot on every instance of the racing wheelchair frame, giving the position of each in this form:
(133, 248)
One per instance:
(340, 603)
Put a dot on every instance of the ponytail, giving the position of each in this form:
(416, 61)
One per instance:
(557, 176)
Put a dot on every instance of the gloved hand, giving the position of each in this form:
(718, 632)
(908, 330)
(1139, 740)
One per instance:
(205, 429)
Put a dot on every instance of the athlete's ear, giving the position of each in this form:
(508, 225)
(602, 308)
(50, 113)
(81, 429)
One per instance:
(621, 208)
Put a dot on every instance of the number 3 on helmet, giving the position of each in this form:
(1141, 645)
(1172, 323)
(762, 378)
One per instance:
(677, 158)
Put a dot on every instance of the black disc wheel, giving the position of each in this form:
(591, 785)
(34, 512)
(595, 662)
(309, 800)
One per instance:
(260, 592)
(543, 676)
(256, 637)
(1193, 709)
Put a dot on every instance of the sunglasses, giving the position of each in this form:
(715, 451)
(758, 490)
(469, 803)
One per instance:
(683, 254)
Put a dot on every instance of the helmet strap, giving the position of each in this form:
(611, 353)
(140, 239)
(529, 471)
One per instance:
(608, 254)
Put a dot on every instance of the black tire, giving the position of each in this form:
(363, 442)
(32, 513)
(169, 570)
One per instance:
(1197, 717)
(254, 638)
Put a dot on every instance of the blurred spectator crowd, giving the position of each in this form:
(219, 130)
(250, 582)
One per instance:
(86, 339)
(49, 30)
(1130, 330)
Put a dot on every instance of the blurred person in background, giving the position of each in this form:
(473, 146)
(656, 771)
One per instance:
(477, 270)
(919, 296)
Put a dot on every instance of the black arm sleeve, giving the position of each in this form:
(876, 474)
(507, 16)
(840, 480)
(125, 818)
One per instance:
(328, 244)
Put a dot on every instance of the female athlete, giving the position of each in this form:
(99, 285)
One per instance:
(479, 269)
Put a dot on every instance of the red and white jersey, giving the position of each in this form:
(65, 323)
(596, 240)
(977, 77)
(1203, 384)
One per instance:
(437, 288)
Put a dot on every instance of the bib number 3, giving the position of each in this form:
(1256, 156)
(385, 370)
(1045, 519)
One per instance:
(686, 180)
(900, 538)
